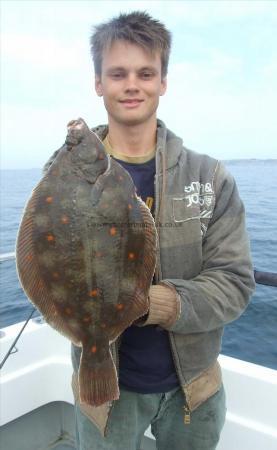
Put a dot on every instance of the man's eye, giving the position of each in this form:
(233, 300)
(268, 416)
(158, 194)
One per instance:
(147, 75)
(117, 75)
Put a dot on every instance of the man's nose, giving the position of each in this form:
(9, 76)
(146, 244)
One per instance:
(131, 83)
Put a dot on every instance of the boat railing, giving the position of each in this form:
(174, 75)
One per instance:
(261, 277)
(7, 256)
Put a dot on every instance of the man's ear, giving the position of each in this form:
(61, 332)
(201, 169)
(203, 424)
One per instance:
(163, 86)
(98, 85)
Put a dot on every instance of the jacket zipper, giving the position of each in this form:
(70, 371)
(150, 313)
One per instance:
(158, 277)
(157, 218)
(186, 408)
(186, 414)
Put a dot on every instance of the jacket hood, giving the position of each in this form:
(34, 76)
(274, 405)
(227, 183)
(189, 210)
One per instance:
(168, 143)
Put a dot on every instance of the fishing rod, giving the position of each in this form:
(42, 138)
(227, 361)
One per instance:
(16, 339)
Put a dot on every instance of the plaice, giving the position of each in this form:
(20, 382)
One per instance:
(86, 254)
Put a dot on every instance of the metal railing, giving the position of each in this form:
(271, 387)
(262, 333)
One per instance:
(7, 256)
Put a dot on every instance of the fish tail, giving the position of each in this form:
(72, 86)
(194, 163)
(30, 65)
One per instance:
(99, 383)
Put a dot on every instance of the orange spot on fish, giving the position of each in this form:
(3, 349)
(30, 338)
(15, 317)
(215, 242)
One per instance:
(103, 325)
(68, 311)
(113, 231)
(64, 219)
(29, 257)
(120, 178)
(93, 293)
(49, 199)
(86, 319)
(131, 256)
(101, 156)
(98, 254)
(50, 237)
(56, 275)
(93, 349)
(119, 306)
(129, 206)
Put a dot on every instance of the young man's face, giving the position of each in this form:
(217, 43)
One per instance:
(131, 83)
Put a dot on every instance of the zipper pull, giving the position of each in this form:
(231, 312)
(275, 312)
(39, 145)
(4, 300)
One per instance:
(187, 415)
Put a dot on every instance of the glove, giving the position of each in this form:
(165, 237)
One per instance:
(164, 306)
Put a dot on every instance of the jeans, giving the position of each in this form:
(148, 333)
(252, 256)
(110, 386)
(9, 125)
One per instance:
(133, 413)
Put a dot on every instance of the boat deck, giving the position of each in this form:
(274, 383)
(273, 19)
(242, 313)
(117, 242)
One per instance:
(50, 427)
(36, 399)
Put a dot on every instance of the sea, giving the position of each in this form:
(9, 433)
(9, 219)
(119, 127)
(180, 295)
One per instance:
(252, 337)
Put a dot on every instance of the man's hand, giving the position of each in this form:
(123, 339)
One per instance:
(163, 306)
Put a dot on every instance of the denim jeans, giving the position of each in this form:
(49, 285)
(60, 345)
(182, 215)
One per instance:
(133, 413)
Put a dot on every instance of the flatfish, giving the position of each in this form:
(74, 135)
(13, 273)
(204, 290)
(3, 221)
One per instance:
(86, 254)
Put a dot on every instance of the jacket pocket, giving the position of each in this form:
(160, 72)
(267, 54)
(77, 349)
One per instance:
(193, 206)
(183, 210)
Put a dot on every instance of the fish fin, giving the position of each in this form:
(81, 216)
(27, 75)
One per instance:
(149, 260)
(99, 383)
(29, 274)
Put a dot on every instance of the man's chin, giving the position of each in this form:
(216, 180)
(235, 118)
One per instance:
(132, 121)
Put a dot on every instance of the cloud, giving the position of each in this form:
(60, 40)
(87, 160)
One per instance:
(214, 117)
(43, 52)
(68, 13)
(29, 135)
(222, 80)
(269, 72)
(201, 11)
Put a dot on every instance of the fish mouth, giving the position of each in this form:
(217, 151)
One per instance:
(75, 131)
(77, 124)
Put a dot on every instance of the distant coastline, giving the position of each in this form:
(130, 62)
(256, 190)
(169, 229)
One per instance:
(242, 160)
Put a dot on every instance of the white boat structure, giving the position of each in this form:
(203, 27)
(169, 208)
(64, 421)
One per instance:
(36, 403)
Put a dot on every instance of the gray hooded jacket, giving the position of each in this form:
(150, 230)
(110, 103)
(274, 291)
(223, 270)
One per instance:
(203, 254)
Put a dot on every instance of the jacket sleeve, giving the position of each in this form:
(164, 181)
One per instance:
(221, 291)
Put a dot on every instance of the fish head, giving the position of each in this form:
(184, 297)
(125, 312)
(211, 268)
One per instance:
(88, 156)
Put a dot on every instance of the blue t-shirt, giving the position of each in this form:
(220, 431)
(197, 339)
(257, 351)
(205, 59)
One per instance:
(145, 359)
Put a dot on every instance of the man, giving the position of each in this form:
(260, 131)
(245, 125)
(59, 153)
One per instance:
(169, 376)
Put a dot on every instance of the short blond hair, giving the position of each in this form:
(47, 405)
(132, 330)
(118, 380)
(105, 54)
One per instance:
(137, 28)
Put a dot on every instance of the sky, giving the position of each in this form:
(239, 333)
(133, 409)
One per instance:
(222, 80)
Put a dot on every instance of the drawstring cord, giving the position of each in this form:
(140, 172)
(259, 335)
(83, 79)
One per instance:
(158, 274)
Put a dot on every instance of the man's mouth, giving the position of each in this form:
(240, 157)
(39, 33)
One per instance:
(131, 101)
